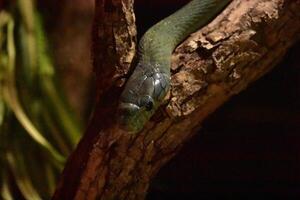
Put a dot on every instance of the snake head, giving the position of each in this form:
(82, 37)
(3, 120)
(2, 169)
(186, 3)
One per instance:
(143, 93)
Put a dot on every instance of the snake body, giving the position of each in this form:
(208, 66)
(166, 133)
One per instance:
(150, 80)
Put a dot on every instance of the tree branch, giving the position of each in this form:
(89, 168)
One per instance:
(243, 43)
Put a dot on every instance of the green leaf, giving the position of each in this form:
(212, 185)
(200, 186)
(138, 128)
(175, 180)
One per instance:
(21, 177)
(4, 187)
(9, 91)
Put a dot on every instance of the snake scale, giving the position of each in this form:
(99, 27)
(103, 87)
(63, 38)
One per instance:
(150, 80)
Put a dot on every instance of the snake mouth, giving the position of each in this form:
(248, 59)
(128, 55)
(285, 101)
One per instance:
(128, 109)
(128, 116)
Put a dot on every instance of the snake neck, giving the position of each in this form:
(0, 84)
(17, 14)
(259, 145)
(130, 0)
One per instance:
(158, 43)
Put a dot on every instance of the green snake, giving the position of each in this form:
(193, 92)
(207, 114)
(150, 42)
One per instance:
(149, 83)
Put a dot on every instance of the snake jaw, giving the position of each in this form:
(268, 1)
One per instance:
(132, 118)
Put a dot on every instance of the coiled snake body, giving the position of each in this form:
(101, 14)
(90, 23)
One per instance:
(150, 81)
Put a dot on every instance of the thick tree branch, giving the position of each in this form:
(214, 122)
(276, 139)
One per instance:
(239, 46)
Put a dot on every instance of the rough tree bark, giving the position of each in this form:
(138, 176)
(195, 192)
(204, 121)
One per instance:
(243, 43)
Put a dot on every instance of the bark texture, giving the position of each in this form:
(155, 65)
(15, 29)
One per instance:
(243, 43)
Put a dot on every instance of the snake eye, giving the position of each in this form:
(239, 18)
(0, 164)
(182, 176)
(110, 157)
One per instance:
(147, 102)
(149, 105)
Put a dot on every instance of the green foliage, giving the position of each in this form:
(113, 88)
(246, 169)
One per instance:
(37, 127)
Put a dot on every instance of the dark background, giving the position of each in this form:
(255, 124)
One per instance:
(249, 148)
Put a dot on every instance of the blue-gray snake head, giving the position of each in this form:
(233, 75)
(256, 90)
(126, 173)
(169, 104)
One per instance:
(142, 95)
